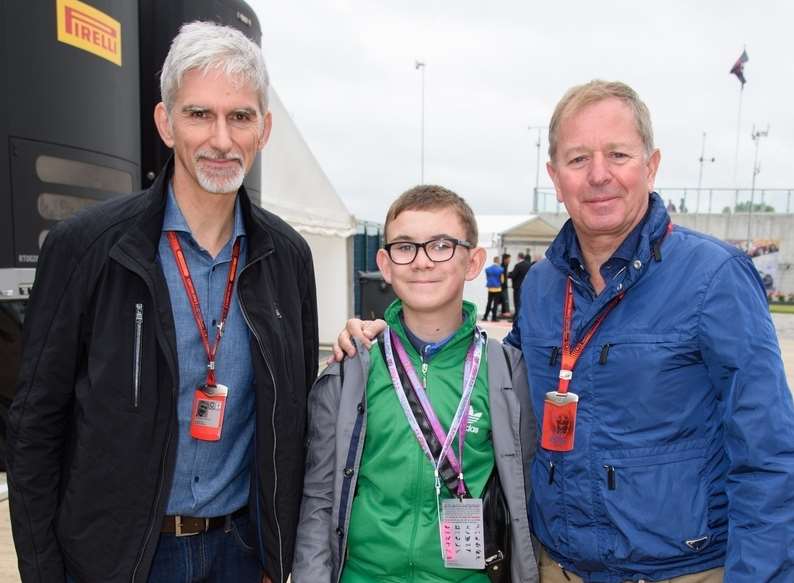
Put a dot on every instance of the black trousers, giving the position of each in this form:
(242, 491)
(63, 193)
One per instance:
(494, 301)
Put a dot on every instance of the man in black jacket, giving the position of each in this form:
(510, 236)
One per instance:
(157, 431)
(517, 275)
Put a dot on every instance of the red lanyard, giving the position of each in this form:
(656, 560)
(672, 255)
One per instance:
(192, 295)
(569, 356)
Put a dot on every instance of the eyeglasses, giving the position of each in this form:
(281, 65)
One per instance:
(437, 250)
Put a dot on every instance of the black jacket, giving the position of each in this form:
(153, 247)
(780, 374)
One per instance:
(91, 455)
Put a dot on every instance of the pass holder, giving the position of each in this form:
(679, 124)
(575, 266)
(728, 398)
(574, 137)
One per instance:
(462, 533)
(559, 421)
(209, 407)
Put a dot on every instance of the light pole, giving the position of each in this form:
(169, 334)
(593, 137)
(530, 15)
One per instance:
(756, 135)
(421, 66)
(537, 168)
(700, 175)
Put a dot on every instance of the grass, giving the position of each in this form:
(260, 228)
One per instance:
(781, 308)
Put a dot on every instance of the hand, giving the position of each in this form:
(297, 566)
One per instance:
(266, 579)
(363, 330)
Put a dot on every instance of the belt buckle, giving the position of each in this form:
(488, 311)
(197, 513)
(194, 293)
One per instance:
(178, 527)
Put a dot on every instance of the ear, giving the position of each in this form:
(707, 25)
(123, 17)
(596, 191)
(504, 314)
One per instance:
(555, 179)
(265, 135)
(477, 257)
(163, 125)
(384, 264)
(653, 167)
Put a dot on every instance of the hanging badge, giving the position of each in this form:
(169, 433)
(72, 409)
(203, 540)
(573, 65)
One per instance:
(559, 421)
(462, 540)
(209, 406)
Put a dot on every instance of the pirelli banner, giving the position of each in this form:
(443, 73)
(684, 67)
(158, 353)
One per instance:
(89, 29)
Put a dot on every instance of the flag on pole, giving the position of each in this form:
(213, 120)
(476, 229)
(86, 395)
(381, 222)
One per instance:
(738, 67)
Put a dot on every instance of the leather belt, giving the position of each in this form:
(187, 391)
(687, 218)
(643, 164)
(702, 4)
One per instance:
(189, 525)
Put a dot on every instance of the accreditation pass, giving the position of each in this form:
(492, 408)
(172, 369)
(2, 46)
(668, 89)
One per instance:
(462, 540)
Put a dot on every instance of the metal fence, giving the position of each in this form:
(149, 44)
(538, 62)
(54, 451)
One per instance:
(703, 200)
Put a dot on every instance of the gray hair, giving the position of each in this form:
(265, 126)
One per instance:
(206, 45)
(580, 96)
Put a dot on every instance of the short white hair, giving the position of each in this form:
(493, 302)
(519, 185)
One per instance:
(206, 45)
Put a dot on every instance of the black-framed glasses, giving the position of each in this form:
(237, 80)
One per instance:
(437, 250)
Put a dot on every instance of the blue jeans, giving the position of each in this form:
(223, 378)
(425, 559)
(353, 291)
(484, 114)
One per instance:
(217, 556)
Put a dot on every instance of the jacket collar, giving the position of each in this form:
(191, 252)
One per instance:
(142, 240)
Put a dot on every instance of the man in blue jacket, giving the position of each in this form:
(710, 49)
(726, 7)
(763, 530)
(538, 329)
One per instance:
(667, 424)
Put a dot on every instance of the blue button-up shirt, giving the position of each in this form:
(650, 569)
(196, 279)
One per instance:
(211, 478)
(622, 256)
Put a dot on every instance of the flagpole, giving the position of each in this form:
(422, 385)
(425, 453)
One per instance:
(738, 135)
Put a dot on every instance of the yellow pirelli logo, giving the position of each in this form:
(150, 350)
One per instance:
(85, 27)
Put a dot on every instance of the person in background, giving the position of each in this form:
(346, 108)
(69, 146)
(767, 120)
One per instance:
(517, 276)
(494, 274)
(505, 309)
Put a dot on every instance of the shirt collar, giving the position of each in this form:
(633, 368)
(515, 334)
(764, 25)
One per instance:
(174, 220)
(625, 251)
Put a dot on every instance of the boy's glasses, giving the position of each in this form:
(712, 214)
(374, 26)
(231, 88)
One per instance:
(437, 250)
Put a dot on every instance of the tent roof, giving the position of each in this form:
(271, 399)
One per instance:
(294, 185)
(532, 230)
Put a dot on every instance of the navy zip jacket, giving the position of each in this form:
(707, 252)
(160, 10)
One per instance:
(92, 446)
(684, 441)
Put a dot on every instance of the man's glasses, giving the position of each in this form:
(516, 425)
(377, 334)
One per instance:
(437, 250)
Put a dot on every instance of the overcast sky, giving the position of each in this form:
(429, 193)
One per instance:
(345, 72)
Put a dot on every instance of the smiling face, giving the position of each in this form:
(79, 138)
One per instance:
(425, 286)
(215, 128)
(602, 172)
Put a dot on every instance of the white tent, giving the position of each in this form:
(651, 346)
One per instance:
(295, 188)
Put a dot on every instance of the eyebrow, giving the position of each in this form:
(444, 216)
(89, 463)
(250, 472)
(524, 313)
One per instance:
(409, 239)
(202, 109)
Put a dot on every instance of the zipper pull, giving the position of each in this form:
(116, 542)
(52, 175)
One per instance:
(553, 357)
(602, 358)
(424, 374)
(610, 477)
(138, 313)
(551, 472)
(276, 310)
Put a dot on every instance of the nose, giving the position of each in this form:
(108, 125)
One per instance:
(221, 138)
(422, 260)
(598, 171)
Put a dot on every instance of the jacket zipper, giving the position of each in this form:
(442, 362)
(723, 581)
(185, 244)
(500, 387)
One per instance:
(136, 268)
(425, 366)
(136, 370)
(244, 312)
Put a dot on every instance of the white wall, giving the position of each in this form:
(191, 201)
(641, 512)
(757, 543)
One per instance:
(332, 274)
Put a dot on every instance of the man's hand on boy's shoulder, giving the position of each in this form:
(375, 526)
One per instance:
(365, 331)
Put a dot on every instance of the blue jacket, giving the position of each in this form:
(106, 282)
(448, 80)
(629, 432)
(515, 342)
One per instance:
(683, 404)
(493, 276)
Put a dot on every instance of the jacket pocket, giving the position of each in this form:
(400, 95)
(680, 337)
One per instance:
(137, 356)
(655, 502)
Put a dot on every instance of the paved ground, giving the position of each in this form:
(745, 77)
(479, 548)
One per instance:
(784, 323)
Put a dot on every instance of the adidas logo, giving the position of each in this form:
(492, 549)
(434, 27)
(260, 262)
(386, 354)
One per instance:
(473, 419)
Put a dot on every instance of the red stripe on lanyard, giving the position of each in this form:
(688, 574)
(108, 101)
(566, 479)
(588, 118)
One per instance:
(195, 305)
(571, 356)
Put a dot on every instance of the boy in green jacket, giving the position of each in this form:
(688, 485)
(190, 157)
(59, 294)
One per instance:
(404, 438)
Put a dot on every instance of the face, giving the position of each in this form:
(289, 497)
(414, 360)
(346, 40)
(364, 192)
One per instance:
(423, 285)
(215, 128)
(601, 171)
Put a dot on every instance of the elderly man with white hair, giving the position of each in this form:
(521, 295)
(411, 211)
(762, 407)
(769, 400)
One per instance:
(157, 432)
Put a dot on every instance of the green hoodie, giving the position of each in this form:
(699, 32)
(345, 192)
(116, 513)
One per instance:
(393, 531)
